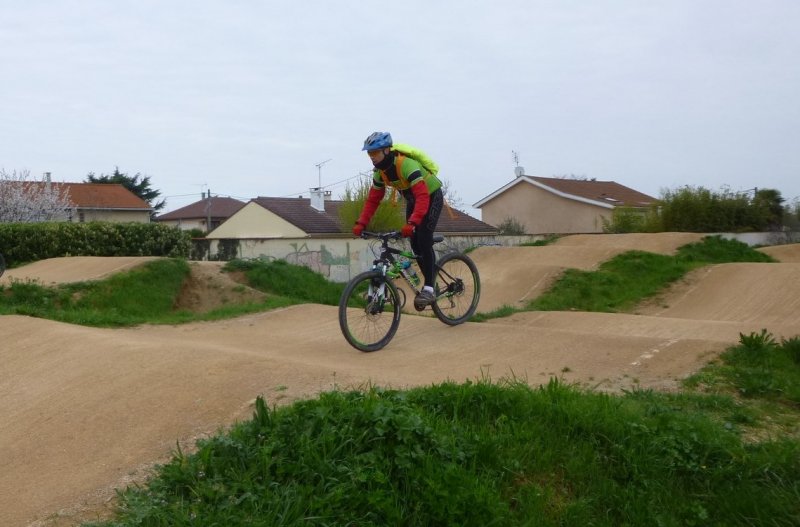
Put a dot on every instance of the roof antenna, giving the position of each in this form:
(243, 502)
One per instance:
(319, 169)
(518, 170)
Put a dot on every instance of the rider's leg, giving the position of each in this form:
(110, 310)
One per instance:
(422, 239)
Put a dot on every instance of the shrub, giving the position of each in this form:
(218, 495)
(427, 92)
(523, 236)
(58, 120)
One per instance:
(511, 227)
(25, 242)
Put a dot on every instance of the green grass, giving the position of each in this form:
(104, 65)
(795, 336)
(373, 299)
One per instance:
(284, 279)
(759, 368)
(620, 283)
(484, 453)
(142, 295)
(147, 295)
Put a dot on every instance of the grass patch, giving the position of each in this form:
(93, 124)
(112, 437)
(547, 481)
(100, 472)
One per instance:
(544, 241)
(618, 284)
(284, 279)
(477, 453)
(625, 280)
(759, 368)
(145, 295)
(138, 296)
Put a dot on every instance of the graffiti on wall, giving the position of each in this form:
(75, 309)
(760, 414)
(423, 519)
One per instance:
(335, 268)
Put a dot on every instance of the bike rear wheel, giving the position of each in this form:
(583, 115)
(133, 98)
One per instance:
(369, 311)
(458, 289)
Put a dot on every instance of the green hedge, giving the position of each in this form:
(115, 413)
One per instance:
(27, 242)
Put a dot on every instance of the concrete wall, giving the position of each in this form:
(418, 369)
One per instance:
(186, 224)
(338, 259)
(762, 238)
(542, 212)
(116, 216)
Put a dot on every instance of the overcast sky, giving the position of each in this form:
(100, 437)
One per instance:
(245, 98)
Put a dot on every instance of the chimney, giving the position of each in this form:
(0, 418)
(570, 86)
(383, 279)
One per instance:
(519, 171)
(318, 198)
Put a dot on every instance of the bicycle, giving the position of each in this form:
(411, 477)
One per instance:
(371, 303)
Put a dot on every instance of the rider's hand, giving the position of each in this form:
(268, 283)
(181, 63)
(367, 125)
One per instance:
(358, 229)
(407, 230)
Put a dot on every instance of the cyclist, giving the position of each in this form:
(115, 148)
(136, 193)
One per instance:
(423, 194)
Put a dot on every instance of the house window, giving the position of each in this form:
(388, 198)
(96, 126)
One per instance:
(81, 217)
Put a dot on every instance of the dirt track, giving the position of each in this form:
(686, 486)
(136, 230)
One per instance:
(85, 410)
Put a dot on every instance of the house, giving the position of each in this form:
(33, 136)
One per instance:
(308, 231)
(318, 217)
(559, 206)
(206, 214)
(99, 202)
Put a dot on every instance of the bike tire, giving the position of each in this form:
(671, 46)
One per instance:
(368, 324)
(458, 289)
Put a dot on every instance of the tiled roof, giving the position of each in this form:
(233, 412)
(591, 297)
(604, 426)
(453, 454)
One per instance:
(220, 208)
(98, 195)
(604, 191)
(300, 213)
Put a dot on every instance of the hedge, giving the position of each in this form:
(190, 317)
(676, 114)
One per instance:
(27, 242)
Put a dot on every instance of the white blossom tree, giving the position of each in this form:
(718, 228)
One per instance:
(23, 200)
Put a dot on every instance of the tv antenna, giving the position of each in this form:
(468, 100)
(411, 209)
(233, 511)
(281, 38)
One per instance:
(319, 170)
(515, 157)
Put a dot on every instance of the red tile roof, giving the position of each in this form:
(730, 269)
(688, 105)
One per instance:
(98, 195)
(607, 193)
(604, 191)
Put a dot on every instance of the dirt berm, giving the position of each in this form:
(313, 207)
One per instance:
(84, 410)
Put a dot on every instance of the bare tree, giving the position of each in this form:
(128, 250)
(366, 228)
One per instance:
(451, 196)
(25, 201)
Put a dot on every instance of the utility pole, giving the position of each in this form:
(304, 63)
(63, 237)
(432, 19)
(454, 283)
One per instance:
(208, 212)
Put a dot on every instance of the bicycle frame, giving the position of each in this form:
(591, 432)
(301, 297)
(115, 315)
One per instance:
(388, 265)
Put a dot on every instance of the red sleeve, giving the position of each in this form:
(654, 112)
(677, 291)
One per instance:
(371, 205)
(422, 201)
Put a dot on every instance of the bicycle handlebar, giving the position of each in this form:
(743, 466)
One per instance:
(391, 235)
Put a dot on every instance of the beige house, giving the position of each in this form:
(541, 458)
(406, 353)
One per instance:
(206, 214)
(559, 206)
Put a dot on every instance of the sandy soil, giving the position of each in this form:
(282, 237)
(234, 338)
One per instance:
(84, 410)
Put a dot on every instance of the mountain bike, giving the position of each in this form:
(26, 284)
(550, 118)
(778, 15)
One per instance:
(371, 303)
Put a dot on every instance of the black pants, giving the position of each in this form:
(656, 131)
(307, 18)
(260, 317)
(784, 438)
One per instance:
(422, 239)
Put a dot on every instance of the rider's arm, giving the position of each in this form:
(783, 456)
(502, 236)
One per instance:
(374, 198)
(422, 201)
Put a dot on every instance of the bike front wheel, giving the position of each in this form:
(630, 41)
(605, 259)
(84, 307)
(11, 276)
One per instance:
(458, 289)
(369, 311)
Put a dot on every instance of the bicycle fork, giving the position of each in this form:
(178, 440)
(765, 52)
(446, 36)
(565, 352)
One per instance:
(376, 295)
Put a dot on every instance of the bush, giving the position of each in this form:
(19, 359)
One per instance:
(511, 227)
(696, 209)
(26, 242)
